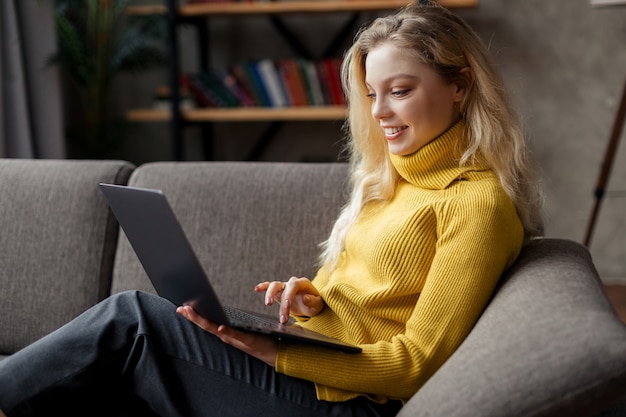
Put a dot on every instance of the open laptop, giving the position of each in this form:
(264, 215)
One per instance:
(175, 271)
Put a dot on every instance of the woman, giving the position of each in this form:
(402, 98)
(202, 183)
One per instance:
(443, 199)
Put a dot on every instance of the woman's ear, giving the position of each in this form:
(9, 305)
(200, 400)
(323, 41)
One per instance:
(464, 82)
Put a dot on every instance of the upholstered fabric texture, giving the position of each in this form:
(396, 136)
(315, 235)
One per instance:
(247, 222)
(548, 344)
(58, 241)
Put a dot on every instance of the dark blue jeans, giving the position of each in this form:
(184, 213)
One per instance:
(132, 355)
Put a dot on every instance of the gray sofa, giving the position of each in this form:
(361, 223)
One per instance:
(548, 344)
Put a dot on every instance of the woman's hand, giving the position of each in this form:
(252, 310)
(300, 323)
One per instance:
(297, 296)
(260, 346)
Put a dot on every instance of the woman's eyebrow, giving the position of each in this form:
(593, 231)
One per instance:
(394, 77)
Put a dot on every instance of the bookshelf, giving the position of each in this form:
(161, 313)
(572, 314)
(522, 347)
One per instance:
(199, 13)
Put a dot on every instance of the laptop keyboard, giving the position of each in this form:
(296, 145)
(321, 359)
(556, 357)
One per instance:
(250, 320)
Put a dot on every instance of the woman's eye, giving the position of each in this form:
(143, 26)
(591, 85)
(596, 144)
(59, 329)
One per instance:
(372, 96)
(399, 93)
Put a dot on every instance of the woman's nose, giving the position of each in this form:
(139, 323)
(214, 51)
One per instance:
(380, 108)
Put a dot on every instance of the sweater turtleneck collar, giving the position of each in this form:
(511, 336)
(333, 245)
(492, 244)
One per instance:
(436, 165)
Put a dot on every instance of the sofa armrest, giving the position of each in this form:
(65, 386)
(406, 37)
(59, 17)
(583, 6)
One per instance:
(57, 242)
(549, 344)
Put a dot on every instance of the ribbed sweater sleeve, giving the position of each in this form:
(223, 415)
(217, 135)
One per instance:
(415, 276)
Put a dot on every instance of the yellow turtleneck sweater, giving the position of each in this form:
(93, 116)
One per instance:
(415, 275)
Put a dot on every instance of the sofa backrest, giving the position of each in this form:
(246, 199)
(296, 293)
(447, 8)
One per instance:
(58, 240)
(248, 222)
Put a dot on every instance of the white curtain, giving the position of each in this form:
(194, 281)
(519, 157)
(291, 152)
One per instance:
(31, 122)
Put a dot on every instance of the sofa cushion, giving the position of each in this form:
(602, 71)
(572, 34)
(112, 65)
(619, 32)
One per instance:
(58, 239)
(248, 222)
(548, 344)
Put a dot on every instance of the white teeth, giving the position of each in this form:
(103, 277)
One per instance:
(393, 130)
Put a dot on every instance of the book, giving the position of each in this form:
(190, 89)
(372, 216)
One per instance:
(202, 97)
(251, 72)
(333, 66)
(293, 82)
(324, 79)
(243, 79)
(214, 85)
(311, 82)
(208, 90)
(235, 87)
(272, 83)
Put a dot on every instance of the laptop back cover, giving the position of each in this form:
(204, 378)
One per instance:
(164, 252)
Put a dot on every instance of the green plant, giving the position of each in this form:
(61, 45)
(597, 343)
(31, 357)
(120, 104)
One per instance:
(96, 41)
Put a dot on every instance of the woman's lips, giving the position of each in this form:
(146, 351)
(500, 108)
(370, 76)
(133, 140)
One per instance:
(392, 133)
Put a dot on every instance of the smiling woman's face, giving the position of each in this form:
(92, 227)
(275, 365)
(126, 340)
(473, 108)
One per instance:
(411, 102)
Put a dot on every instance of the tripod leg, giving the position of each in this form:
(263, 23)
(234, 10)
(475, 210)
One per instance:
(607, 165)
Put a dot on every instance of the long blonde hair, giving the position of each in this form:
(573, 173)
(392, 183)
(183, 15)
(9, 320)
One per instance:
(441, 39)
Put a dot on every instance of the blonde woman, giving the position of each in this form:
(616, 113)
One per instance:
(443, 199)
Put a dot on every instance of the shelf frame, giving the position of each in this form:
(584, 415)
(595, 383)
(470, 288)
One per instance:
(287, 7)
(198, 13)
(241, 114)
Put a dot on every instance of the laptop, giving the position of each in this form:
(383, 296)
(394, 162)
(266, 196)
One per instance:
(176, 273)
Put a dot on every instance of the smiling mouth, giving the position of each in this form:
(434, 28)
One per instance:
(392, 131)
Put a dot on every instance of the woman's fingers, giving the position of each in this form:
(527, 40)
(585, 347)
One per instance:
(273, 291)
(300, 298)
(297, 296)
(260, 346)
(312, 305)
(190, 314)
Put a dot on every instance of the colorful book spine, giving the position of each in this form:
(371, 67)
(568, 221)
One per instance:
(292, 80)
(272, 83)
(214, 84)
(241, 75)
(325, 84)
(261, 94)
(202, 95)
(310, 80)
(334, 82)
(235, 87)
